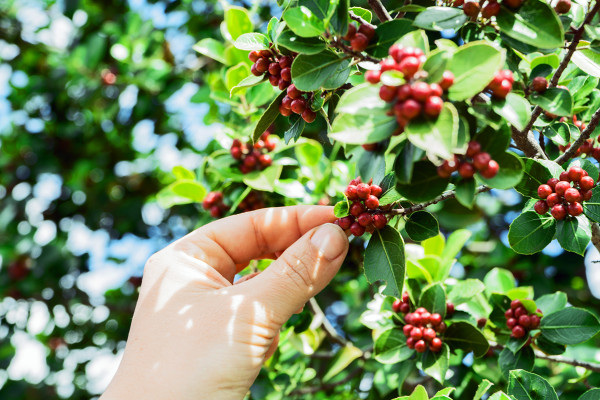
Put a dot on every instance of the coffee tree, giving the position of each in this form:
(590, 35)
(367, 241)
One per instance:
(430, 102)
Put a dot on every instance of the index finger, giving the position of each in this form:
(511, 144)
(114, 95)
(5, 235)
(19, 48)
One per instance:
(240, 238)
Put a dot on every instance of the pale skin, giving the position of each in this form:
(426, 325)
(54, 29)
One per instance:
(195, 334)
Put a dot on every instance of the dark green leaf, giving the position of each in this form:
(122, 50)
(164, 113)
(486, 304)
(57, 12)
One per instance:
(436, 365)
(591, 208)
(514, 108)
(549, 347)
(390, 347)
(558, 132)
(268, 117)
(523, 385)
(536, 173)
(574, 234)
(303, 22)
(531, 232)
(433, 298)
(371, 164)
(535, 23)
(384, 260)
(295, 130)
(542, 70)
(522, 359)
(464, 336)
(436, 65)
(569, 326)
(403, 165)
(425, 184)
(552, 302)
(592, 394)
(300, 44)
(554, 100)
(339, 19)
(509, 174)
(387, 34)
(438, 137)
(465, 192)
(421, 225)
(310, 72)
(515, 344)
(440, 18)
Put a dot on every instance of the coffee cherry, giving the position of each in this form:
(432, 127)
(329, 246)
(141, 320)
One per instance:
(292, 92)
(524, 321)
(215, 212)
(436, 90)
(407, 328)
(404, 308)
(575, 209)
(351, 192)
(346, 222)
(286, 74)
(421, 310)
(575, 174)
(357, 229)
(429, 334)
(433, 106)
(586, 183)
(387, 93)
(357, 209)
(435, 319)
(367, 30)
(508, 313)
(572, 195)
(373, 76)
(442, 173)
(254, 56)
(552, 182)
(563, 6)
(308, 115)
(561, 187)
(416, 333)
(274, 80)
(404, 92)
(441, 328)
(236, 153)
(425, 317)
(447, 80)
(515, 304)
(586, 194)
(411, 108)
(265, 160)
(559, 212)
(409, 66)
(380, 221)
(388, 65)
(518, 332)
(376, 190)
(491, 170)
(420, 346)
(473, 149)
(512, 3)
(372, 202)
(541, 207)
(285, 62)
(420, 91)
(255, 71)
(481, 322)
(365, 219)
(564, 176)
(286, 112)
(410, 343)
(287, 102)
(262, 65)
(511, 323)
(405, 296)
(416, 319)
(520, 311)
(449, 308)
(481, 160)
(298, 106)
(363, 191)
(351, 32)
(544, 191)
(503, 90)
(436, 345)
(535, 321)
(490, 10)
(466, 170)
(274, 68)
(359, 42)
(539, 84)
(471, 8)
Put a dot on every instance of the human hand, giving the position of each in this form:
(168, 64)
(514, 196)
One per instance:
(194, 334)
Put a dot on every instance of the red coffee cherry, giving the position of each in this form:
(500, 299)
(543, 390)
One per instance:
(535, 321)
(411, 108)
(357, 209)
(387, 93)
(511, 323)
(575, 174)
(215, 212)
(520, 311)
(436, 345)
(473, 149)
(363, 191)
(429, 334)
(265, 160)
(309, 115)
(410, 343)
(365, 219)
(435, 319)
(373, 76)
(379, 221)
(292, 92)
(541, 207)
(405, 297)
(524, 321)
(586, 183)
(433, 106)
(404, 308)
(508, 313)
(515, 304)
(552, 182)
(564, 176)
(561, 187)
(436, 90)
(346, 222)
(396, 307)
(409, 66)
(441, 328)
(512, 3)
(376, 190)
(416, 333)
(286, 73)
(351, 32)
(466, 170)
(254, 56)
(298, 106)
(286, 112)
(351, 192)
(255, 71)
(367, 30)
(539, 84)
(491, 170)
(447, 80)
(357, 229)
(490, 10)
(544, 191)
(586, 194)
(471, 8)
(575, 209)
(262, 65)
(563, 6)
(449, 308)
(372, 202)
(559, 212)
(481, 322)
(404, 92)
(572, 194)
(285, 62)
(503, 90)
(518, 332)
(359, 42)
(420, 346)
(420, 91)
(481, 160)
(407, 329)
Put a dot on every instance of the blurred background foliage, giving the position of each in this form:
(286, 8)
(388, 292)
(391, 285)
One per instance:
(99, 100)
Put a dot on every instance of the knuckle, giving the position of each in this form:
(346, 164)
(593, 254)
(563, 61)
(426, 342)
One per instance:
(297, 270)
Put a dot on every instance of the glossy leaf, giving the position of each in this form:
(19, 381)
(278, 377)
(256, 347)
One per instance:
(531, 232)
(569, 326)
(534, 23)
(522, 385)
(440, 18)
(384, 260)
(574, 234)
(421, 225)
(464, 336)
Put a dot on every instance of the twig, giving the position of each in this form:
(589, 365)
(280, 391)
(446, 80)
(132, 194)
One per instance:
(403, 13)
(328, 386)
(596, 235)
(380, 10)
(582, 138)
(336, 43)
(564, 360)
(527, 144)
(444, 196)
(361, 20)
(329, 329)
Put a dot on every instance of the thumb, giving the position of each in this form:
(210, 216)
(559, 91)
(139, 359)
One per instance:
(302, 271)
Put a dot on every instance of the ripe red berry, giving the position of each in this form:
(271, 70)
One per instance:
(575, 209)
(586, 194)
(250, 161)
(286, 74)
(407, 328)
(491, 170)
(508, 313)
(236, 153)
(387, 93)
(357, 209)
(524, 321)
(518, 332)
(416, 333)
(420, 91)
(405, 297)
(541, 207)
(287, 102)
(436, 90)
(563, 6)
(436, 345)
(396, 306)
(357, 229)
(308, 115)
(441, 328)
(380, 221)
(420, 346)
(274, 68)
(520, 311)
(404, 92)
(511, 323)
(298, 106)
(292, 92)
(433, 106)
(265, 160)
(286, 112)
(411, 108)
(365, 219)
(490, 10)
(471, 8)
(363, 191)
(512, 3)
(285, 62)
(535, 321)
(447, 80)
(561, 187)
(255, 71)
(376, 190)
(539, 84)
(544, 191)
(559, 212)
(449, 308)
(572, 195)
(503, 90)
(466, 170)
(346, 222)
(429, 334)
(473, 149)
(254, 56)
(416, 319)
(564, 176)
(586, 182)
(215, 212)
(372, 202)
(351, 32)
(481, 160)
(515, 304)
(410, 343)
(373, 76)
(552, 182)
(351, 192)
(481, 322)
(367, 30)
(359, 42)
(409, 66)
(575, 173)
(274, 80)
(435, 319)
(262, 65)
(425, 316)
(404, 308)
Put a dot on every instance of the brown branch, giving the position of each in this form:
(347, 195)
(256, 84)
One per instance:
(527, 144)
(444, 196)
(380, 10)
(403, 13)
(596, 235)
(361, 20)
(329, 329)
(337, 43)
(564, 360)
(585, 135)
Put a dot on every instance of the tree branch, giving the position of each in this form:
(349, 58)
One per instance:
(329, 329)
(585, 135)
(380, 10)
(564, 360)
(596, 235)
(444, 196)
(337, 43)
(527, 144)
(361, 20)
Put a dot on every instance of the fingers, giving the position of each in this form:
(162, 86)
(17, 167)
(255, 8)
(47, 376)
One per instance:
(301, 272)
(240, 238)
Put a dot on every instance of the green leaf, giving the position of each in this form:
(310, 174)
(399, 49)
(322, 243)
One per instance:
(252, 41)
(235, 75)
(237, 21)
(344, 357)
(433, 298)
(359, 129)
(425, 184)
(535, 23)
(270, 114)
(303, 22)
(436, 365)
(387, 34)
(591, 208)
(587, 60)
(558, 132)
(211, 48)
(552, 302)
(309, 152)
(438, 137)
(465, 192)
(436, 65)
(341, 208)
(522, 359)
(510, 173)
(499, 280)
(419, 394)
(264, 180)
(421, 225)
(384, 260)
(339, 16)
(569, 326)
(482, 389)
(592, 394)
(499, 396)
(362, 12)
(554, 100)
(183, 173)
(299, 44)
(392, 78)
(494, 141)
(390, 347)
(523, 385)
(417, 39)
(310, 72)
(473, 65)
(249, 81)
(403, 165)
(531, 232)
(318, 7)
(464, 336)
(440, 18)
(574, 234)
(295, 130)
(514, 108)
(465, 290)
(549, 347)
(536, 173)
(514, 344)
(454, 245)
(189, 189)
(362, 99)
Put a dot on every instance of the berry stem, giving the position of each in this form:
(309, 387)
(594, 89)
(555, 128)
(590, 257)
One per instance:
(582, 138)
(380, 10)
(337, 43)
(444, 196)
(360, 20)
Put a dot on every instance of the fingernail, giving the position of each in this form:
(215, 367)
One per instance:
(330, 240)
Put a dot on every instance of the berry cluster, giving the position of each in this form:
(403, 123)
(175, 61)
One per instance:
(561, 198)
(214, 202)
(491, 8)
(562, 6)
(403, 305)
(253, 157)
(297, 102)
(253, 201)
(415, 97)
(365, 214)
(359, 39)
(278, 68)
(502, 83)
(587, 148)
(474, 160)
(519, 321)
(421, 329)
